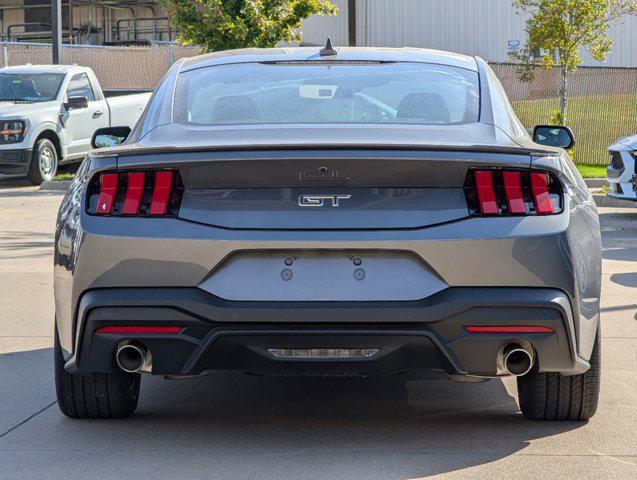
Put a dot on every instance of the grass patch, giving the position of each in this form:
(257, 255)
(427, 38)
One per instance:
(592, 171)
(64, 176)
(597, 121)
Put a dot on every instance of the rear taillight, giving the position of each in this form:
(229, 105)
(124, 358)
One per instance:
(152, 193)
(498, 192)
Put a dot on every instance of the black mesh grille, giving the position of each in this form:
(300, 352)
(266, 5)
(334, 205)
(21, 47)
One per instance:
(616, 160)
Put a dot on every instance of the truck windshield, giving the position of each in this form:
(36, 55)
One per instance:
(38, 87)
(331, 92)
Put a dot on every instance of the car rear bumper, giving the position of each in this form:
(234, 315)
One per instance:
(428, 334)
(15, 162)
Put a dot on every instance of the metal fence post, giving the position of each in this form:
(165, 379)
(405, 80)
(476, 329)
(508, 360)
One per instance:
(171, 55)
(5, 53)
(56, 30)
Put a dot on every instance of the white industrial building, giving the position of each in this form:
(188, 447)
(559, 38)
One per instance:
(490, 29)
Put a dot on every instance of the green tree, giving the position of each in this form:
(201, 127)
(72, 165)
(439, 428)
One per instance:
(228, 24)
(563, 28)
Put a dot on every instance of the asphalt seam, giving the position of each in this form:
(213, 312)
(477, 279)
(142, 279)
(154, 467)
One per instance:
(27, 419)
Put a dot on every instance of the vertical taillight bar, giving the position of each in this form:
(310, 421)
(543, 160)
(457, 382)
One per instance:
(134, 192)
(486, 192)
(513, 191)
(161, 193)
(108, 191)
(540, 191)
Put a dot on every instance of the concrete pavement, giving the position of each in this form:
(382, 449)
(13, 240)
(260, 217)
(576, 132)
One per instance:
(237, 426)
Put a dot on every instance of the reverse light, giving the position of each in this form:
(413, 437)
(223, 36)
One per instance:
(322, 353)
(152, 193)
(502, 192)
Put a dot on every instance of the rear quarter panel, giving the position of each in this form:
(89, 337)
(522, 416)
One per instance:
(583, 247)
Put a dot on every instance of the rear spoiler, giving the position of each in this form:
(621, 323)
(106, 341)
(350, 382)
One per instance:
(136, 149)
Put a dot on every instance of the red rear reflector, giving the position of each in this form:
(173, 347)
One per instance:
(513, 191)
(133, 330)
(161, 193)
(510, 329)
(486, 192)
(108, 191)
(540, 190)
(134, 192)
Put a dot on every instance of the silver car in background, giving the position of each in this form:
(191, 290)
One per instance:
(621, 173)
(345, 212)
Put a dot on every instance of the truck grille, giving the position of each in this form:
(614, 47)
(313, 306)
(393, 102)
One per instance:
(616, 160)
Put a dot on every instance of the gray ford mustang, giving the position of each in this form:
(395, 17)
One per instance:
(332, 212)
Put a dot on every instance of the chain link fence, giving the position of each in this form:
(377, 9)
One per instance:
(602, 105)
(602, 102)
(116, 67)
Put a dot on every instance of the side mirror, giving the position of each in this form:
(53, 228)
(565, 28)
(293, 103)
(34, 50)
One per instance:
(75, 103)
(109, 136)
(554, 136)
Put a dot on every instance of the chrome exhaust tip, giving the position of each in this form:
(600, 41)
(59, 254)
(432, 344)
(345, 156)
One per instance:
(515, 359)
(133, 358)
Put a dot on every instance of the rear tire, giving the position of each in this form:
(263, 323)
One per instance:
(553, 396)
(44, 162)
(96, 395)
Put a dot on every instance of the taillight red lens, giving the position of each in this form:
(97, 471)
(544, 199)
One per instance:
(513, 191)
(509, 191)
(510, 329)
(140, 330)
(108, 191)
(138, 193)
(134, 193)
(161, 193)
(541, 196)
(486, 192)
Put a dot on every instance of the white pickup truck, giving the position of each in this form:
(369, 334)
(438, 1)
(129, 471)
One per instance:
(48, 114)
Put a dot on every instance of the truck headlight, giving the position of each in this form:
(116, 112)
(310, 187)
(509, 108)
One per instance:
(12, 131)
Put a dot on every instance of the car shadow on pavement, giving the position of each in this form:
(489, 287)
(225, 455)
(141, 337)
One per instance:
(14, 183)
(17, 244)
(241, 425)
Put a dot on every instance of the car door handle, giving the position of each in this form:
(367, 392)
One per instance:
(97, 113)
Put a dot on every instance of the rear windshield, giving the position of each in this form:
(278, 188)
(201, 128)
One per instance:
(368, 93)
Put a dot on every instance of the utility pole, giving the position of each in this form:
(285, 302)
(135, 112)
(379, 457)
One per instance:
(351, 22)
(56, 30)
(71, 31)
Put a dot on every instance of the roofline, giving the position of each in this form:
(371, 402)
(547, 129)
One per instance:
(309, 54)
(29, 66)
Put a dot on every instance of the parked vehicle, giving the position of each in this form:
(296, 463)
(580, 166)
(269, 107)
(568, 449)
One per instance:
(48, 114)
(329, 212)
(621, 174)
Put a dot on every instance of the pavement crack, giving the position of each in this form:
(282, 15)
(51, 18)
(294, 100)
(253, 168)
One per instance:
(27, 419)
(612, 457)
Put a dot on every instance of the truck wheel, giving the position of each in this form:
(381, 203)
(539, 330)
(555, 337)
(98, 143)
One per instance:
(552, 396)
(44, 163)
(96, 395)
